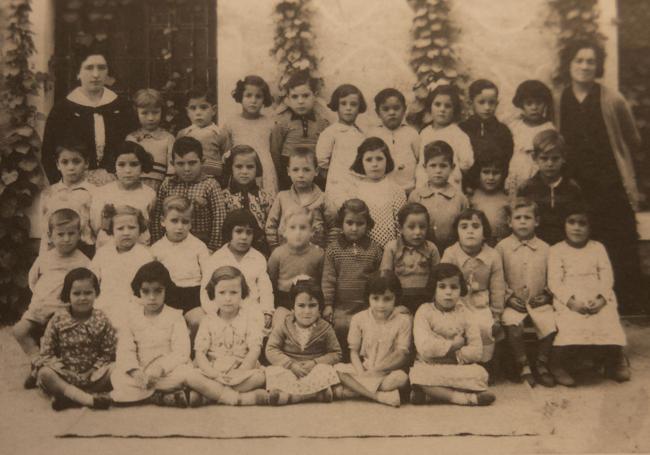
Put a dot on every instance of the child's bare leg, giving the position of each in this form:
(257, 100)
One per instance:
(391, 398)
(57, 387)
(23, 333)
(449, 395)
(278, 397)
(254, 397)
(395, 380)
(193, 319)
(256, 381)
(207, 387)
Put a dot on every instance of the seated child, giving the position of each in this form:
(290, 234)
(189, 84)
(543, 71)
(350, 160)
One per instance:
(442, 200)
(149, 105)
(201, 107)
(303, 193)
(46, 280)
(581, 279)
(184, 255)
(349, 262)
(153, 351)
(525, 259)
(298, 256)
(117, 262)
(551, 190)
(227, 346)
(448, 345)
(204, 192)
(302, 351)
(78, 348)
(379, 340)
(411, 256)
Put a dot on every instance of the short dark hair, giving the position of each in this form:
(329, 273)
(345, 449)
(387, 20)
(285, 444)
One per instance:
(345, 90)
(61, 217)
(303, 152)
(476, 87)
(226, 272)
(370, 145)
(153, 272)
(537, 90)
(380, 282)
(487, 155)
(452, 92)
(307, 286)
(438, 148)
(187, 144)
(83, 52)
(200, 92)
(445, 270)
(571, 50)
(383, 95)
(240, 217)
(358, 207)
(577, 207)
(468, 214)
(412, 208)
(110, 211)
(72, 144)
(256, 81)
(78, 274)
(241, 150)
(130, 147)
(302, 77)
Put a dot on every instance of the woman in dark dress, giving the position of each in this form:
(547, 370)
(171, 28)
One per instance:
(93, 115)
(601, 139)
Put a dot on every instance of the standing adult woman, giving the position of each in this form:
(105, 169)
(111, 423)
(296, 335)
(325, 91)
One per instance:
(92, 114)
(601, 139)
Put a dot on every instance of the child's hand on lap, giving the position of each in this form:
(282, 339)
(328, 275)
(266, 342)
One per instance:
(457, 342)
(497, 330)
(298, 369)
(139, 376)
(516, 304)
(577, 305)
(542, 299)
(153, 374)
(597, 304)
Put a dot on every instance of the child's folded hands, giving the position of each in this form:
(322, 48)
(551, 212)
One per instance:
(299, 369)
(542, 299)
(594, 306)
(516, 304)
(577, 305)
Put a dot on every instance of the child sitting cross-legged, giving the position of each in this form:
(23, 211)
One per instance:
(449, 347)
(302, 351)
(227, 346)
(153, 350)
(379, 340)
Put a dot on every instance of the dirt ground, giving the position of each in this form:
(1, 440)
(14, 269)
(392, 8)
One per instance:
(600, 416)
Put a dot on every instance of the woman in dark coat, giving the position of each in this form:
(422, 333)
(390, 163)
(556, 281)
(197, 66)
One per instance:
(93, 115)
(601, 139)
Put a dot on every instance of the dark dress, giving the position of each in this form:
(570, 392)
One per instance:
(591, 162)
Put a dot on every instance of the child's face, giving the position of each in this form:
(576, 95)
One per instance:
(301, 99)
(152, 296)
(349, 108)
(447, 292)
(374, 164)
(442, 110)
(470, 233)
(298, 231)
(414, 230)
(252, 100)
(177, 225)
(382, 305)
(149, 117)
(577, 229)
(200, 112)
(391, 112)
(550, 164)
(491, 178)
(523, 222)
(355, 226)
(72, 166)
(305, 309)
(82, 296)
(65, 237)
(126, 231)
(244, 169)
(128, 170)
(302, 172)
(438, 170)
(533, 110)
(485, 103)
(227, 295)
(242, 239)
(188, 167)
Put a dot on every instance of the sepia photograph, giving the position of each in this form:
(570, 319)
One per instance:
(324, 226)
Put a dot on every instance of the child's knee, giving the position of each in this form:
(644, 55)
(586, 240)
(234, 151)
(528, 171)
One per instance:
(395, 380)
(193, 318)
(22, 329)
(46, 375)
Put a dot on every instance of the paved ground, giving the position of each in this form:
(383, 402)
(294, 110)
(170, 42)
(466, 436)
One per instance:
(599, 416)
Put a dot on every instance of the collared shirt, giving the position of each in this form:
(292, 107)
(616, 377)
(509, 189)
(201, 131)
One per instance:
(404, 144)
(214, 142)
(159, 144)
(460, 144)
(524, 266)
(292, 131)
(336, 150)
(412, 265)
(443, 205)
(377, 340)
(185, 260)
(483, 274)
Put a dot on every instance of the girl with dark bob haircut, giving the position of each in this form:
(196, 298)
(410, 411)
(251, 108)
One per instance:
(468, 214)
(445, 270)
(240, 217)
(256, 81)
(453, 93)
(344, 90)
(130, 147)
(370, 145)
(78, 274)
(153, 272)
(358, 207)
(308, 286)
(380, 282)
(535, 90)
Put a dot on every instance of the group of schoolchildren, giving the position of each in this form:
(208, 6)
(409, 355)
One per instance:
(274, 261)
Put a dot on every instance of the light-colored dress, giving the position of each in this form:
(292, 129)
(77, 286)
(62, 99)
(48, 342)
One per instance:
(404, 145)
(583, 273)
(433, 331)
(336, 150)
(522, 165)
(459, 142)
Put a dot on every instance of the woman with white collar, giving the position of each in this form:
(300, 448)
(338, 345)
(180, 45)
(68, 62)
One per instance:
(91, 113)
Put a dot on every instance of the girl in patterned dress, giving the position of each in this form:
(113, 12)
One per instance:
(78, 347)
(227, 346)
(448, 344)
(242, 167)
(302, 351)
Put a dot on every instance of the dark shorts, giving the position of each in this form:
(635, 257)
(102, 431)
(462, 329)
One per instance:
(185, 299)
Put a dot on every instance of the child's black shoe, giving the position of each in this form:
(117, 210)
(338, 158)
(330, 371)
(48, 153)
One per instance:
(618, 369)
(527, 375)
(102, 401)
(61, 402)
(485, 398)
(417, 395)
(543, 376)
(30, 381)
(563, 377)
